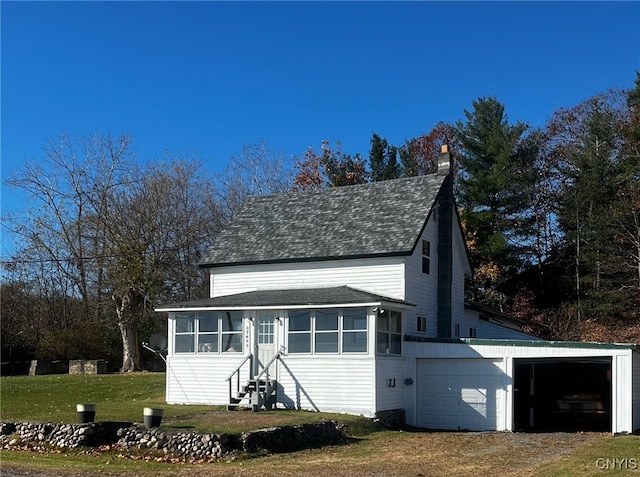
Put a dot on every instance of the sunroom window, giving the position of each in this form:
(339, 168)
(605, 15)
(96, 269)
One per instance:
(208, 332)
(231, 330)
(389, 332)
(328, 330)
(354, 330)
(300, 331)
(185, 332)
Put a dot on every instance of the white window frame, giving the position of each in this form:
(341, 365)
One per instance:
(386, 331)
(314, 332)
(308, 332)
(186, 317)
(195, 333)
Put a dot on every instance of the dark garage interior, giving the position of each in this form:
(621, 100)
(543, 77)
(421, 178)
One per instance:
(562, 394)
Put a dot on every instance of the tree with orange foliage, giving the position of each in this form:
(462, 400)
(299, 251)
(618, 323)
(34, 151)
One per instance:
(333, 167)
(419, 156)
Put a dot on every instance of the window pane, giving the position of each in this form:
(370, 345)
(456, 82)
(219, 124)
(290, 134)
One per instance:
(326, 343)
(354, 342)
(354, 319)
(426, 265)
(426, 248)
(231, 320)
(383, 321)
(299, 342)
(299, 320)
(395, 322)
(184, 322)
(265, 331)
(184, 344)
(232, 342)
(382, 343)
(208, 322)
(326, 320)
(396, 344)
(208, 343)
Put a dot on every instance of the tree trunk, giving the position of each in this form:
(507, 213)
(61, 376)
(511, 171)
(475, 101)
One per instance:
(129, 306)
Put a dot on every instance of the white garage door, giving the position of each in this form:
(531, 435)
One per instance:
(460, 394)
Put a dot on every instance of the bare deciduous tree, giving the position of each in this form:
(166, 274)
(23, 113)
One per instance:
(110, 234)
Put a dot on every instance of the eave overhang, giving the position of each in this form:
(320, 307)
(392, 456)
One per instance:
(329, 297)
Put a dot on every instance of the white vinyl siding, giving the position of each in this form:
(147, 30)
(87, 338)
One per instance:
(383, 276)
(390, 386)
(316, 383)
(421, 289)
(487, 330)
(635, 361)
(327, 384)
(200, 379)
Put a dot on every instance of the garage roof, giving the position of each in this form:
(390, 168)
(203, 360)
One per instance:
(527, 343)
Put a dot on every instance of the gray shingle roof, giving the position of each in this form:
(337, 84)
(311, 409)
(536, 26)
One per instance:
(379, 218)
(284, 298)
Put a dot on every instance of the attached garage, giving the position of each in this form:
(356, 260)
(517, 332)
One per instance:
(460, 394)
(562, 394)
(524, 386)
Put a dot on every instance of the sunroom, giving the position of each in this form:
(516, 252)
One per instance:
(306, 348)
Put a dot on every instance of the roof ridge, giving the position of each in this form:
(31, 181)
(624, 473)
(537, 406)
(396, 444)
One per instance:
(352, 187)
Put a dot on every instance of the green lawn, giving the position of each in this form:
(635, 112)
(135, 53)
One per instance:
(121, 397)
(53, 398)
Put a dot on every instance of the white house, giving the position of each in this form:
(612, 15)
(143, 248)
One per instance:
(351, 300)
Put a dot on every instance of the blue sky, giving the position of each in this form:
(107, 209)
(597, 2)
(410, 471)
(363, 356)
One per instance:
(208, 77)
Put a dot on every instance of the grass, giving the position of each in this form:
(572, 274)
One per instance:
(121, 397)
(373, 452)
(613, 456)
(53, 398)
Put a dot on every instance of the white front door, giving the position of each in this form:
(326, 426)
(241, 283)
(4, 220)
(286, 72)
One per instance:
(266, 328)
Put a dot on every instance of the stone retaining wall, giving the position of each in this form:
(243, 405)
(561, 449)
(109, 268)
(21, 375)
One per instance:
(393, 419)
(87, 366)
(127, 436)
